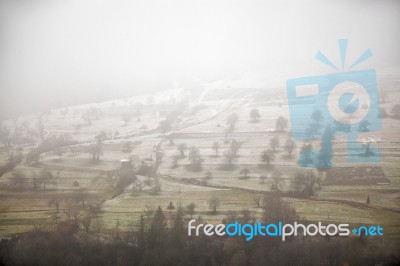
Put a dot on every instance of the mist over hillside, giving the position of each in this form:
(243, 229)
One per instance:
(61, 53)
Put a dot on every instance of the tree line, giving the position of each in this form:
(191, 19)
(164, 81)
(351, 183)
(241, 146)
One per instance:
(160, 238)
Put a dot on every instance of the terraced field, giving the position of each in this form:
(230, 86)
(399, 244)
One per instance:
(77, 181)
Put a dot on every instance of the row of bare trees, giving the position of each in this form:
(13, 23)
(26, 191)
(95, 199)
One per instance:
(281, 124)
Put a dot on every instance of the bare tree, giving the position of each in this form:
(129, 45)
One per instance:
(290, 145)
(245, 172)
(306, 155)
(213, 203)
(98, 227)
(195, 157)
(226, 131)
(307, 180)
(208, 175)
(96, 150)
(74, 150)
(255, 114)
(190, 209)
(81, 195)
(277, 181)
(297, 182)
(71, 210)
(87, 118)
(91, 114)
(182, 148)
(275, 210)
(85, 222)
(281, 124)
(95, 208)
(45, 177)
(234, 147)
(266, 157)
(262, 179)
(171, 138)
(257, 200)
(367, 147)
(59, 152)
(229, 157)
(274, 143)
(216, 147)
(231, 121)
(55, 201)
(148, 211)
(317, 117)
(157, 186)
(101, 136)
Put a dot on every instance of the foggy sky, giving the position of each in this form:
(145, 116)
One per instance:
(60, 52)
